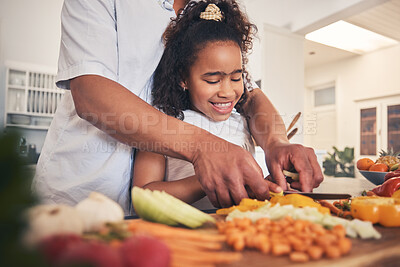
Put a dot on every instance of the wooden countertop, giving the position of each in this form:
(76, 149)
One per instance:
(384, 252)
(367, 253)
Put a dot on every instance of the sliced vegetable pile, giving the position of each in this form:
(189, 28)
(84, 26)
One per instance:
(304, 208)
(301, 240)
(276, 212)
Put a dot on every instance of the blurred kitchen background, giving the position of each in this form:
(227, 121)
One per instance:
(347, 96)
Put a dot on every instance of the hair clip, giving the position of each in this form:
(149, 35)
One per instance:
(212, 12)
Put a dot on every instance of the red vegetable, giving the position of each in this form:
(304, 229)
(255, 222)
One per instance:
(90, 254)
(145, 251)
(392, 174)
(54, 246)
(388, 187)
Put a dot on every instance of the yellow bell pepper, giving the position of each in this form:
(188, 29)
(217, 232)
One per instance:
(273, 194)
(382, 210)
(244, 205)
(396, 194)
(253, 203)
(298, 201)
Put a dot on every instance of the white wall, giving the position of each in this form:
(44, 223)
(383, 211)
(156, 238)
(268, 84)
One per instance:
(29, 33)
(283, 73)
(322, 124)
(297, 16)
(300, 15)
(368, 76)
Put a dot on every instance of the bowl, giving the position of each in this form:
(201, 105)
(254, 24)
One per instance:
(374, 177)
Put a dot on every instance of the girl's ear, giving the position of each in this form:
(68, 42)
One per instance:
(183, 85)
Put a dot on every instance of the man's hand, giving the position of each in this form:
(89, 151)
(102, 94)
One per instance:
(227, 175)
(281, 156)
(269, 131)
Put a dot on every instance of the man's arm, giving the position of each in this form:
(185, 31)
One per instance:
(268, 129)
(115, 110)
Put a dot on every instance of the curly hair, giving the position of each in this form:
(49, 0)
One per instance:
(184, 37)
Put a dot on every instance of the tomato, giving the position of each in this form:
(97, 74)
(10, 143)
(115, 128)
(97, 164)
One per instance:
(364, 164)
(379, 167)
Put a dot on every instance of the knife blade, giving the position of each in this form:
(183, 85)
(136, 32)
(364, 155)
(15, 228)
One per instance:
(319, 195)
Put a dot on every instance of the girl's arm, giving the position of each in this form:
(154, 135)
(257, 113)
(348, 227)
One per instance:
(149, 172)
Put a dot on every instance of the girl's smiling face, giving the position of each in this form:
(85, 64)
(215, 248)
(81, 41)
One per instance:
(215, 82)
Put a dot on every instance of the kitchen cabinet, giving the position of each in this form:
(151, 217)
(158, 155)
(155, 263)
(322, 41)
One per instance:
(379, 125)
(393, 125)
(368, 131)
(31, 98)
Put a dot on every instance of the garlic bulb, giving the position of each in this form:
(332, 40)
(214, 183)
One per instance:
(47, 220)
(97, 209)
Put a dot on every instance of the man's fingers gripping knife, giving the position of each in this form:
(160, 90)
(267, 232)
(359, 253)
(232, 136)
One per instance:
(211, 194)
(253, 180)
(238, 192)
(224, 198)
(300, 160)
(318, 177)
(218, 193)
(309, 171)
(278, 177)
(232, 190)
(273, 187)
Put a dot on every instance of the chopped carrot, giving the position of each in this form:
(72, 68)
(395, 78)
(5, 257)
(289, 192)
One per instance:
(164, 230)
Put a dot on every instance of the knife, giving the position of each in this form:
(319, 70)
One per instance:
(319, 195)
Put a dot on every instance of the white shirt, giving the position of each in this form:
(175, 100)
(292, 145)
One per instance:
(116, 39)
(234, 130)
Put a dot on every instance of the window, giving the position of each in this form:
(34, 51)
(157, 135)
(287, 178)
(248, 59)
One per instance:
(324, 97)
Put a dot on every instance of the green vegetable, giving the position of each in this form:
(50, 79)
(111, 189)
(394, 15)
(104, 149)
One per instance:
(394, 167)
(156, 206)
(147, 207)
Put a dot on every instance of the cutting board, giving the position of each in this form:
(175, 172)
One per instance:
(366, 253)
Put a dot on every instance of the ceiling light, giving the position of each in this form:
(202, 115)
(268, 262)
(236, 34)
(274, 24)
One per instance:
(349, 37)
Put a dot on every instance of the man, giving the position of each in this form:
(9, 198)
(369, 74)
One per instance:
(109, 51)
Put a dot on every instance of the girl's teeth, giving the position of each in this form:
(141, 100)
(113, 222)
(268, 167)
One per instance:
(223, 105)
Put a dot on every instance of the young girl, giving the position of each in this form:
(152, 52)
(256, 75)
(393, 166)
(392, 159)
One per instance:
(202, 80)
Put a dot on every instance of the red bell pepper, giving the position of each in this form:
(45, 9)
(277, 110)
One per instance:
(392, 174)
(388, 187)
